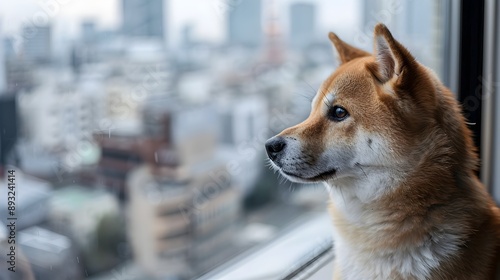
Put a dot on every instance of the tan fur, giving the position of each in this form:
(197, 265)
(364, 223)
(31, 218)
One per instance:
(431, 148)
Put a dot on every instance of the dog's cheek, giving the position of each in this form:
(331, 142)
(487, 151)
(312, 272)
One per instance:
(339, 157)
(371, 148)
(344, 133)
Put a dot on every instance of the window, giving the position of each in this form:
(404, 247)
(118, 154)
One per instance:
(183, 100)
(489, 85)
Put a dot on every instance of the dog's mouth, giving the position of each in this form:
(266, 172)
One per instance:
(317, 178)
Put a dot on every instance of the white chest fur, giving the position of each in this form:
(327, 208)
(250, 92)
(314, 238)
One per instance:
(407, 263)
(358, 258)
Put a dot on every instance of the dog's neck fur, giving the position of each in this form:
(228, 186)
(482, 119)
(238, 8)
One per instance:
(380, 231)
(364, 228)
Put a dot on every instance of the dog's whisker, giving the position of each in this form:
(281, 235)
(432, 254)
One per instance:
(313, 89)
(359, 166)
(309, 98)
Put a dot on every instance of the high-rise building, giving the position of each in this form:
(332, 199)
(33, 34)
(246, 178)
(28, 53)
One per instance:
(187, 37)
(245, 23)
(143, 18)
(416, 24)
(8, 129)
(302, 24)
(37, 46)
(8, 48)
(370, 13)
(19, 75)
(89, 31)
(15, 74)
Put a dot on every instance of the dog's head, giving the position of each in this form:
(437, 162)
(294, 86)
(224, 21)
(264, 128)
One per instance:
(372, 114)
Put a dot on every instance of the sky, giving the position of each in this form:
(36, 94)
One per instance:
(206, 16)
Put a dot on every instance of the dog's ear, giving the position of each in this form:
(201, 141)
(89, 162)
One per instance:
(345, 52)
(392, 58)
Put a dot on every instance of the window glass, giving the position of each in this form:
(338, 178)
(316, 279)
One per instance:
(136, 129)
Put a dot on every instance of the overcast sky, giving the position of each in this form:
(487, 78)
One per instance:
(205, 15)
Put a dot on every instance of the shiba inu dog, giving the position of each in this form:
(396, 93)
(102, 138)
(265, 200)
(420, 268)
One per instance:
(388, 140)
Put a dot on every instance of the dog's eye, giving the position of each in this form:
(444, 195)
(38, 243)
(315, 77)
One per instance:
(337, 113)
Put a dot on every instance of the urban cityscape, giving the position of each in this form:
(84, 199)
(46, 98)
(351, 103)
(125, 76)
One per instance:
(134, 159)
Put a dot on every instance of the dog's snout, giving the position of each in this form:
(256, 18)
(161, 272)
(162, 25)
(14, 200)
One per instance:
(275, 146)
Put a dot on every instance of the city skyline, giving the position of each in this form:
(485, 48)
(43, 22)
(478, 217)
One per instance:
(208, 19)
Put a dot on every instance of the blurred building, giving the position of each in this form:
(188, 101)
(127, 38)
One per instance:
(302, 24)
(243, 123)
(415, 24)
(143, 18)
(8, 48)
(184, 201)
(50, 255)
(242, 118)
(39, 162)
(120, 153)
(37, 43)
(89, 31)
(3, 82)
(79, 210)
(419, 25)
(181, 217)
(370, 10)
(8, 129)
(86, 50)
(19, 75)
(187, 37)
(31, 199)
(274, 54)
(192, 129)
(18, 72)
(142, 73)
(92, 219)
(57, 121)
(41, 254)
(245, 23)
(58, 116)
(23, 267)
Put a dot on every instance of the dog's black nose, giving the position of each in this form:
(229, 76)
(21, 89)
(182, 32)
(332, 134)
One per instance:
(274, 146)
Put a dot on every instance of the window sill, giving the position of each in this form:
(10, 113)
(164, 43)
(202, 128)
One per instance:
(302, 252)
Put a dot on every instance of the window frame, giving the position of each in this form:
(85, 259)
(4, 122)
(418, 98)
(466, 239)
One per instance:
(491, 123)
(470, 61)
